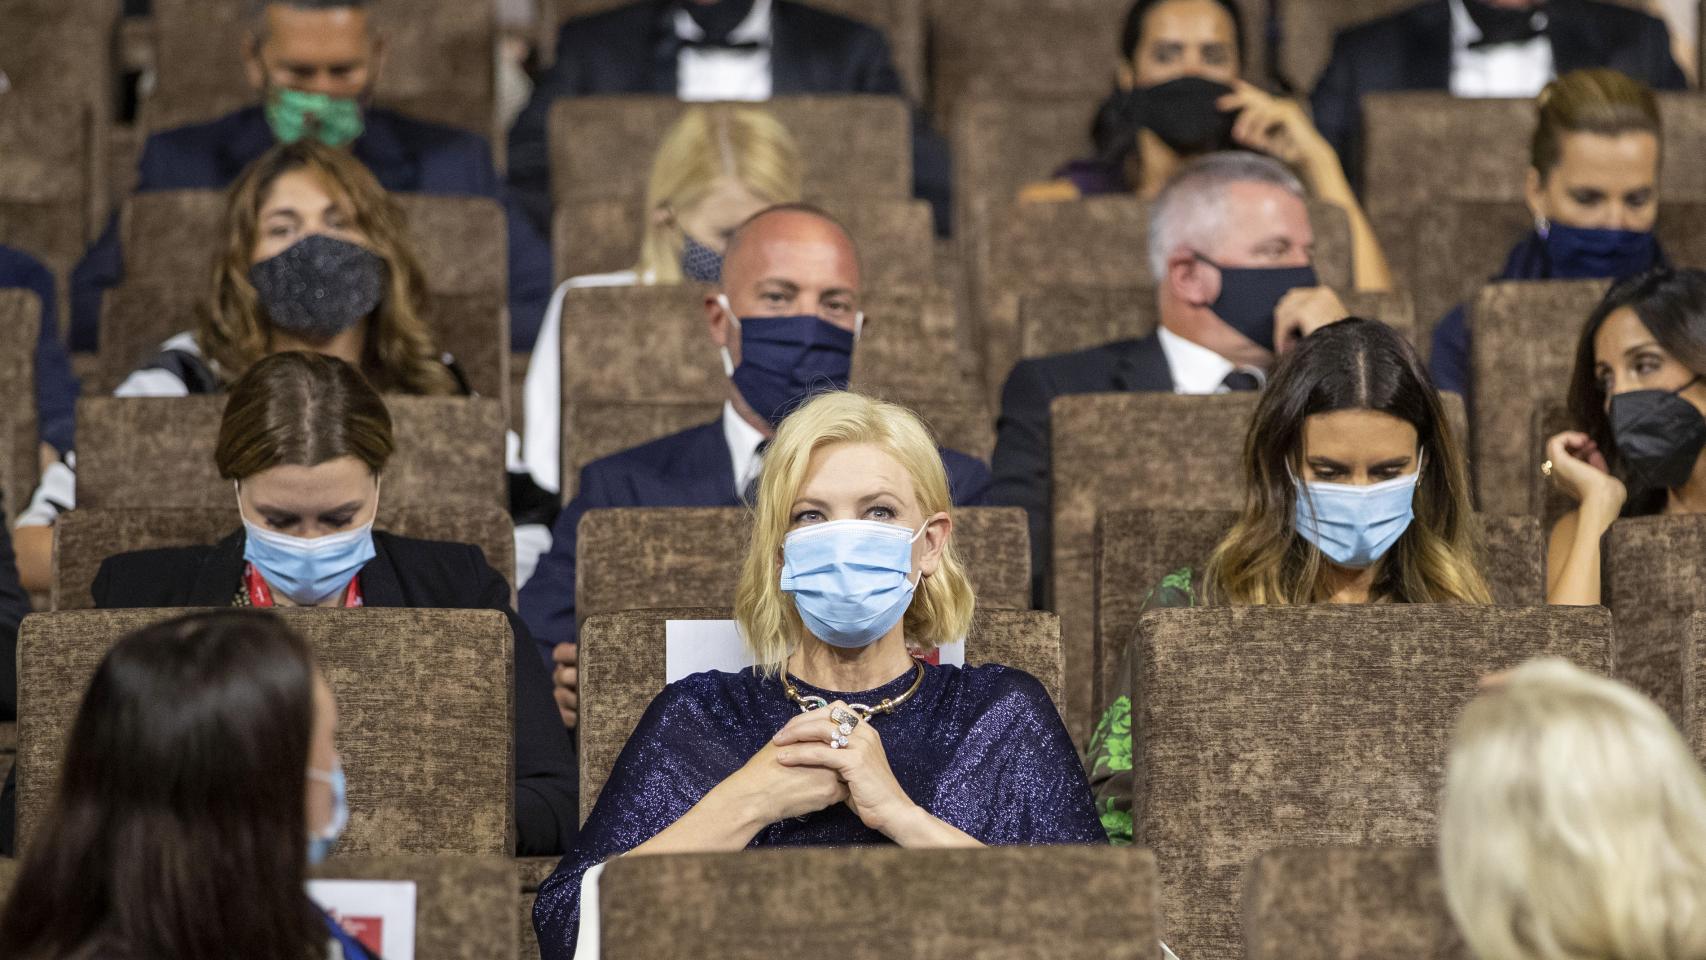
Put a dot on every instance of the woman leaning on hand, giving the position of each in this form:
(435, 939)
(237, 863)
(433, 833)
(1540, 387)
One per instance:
(838, 736)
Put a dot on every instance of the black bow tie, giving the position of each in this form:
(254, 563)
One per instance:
(1502, 25)
(749, 46)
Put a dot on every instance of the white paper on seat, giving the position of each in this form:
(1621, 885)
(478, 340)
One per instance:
(694, 646)
(379, 913)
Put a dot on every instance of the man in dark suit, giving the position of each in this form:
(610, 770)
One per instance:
(786, 319)
(714, 50)
(1229, 248)
(1483, 48)
(323, 55)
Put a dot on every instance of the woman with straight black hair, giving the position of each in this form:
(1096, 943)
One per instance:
(1355, 491)
(1639, 408)
(200, 778)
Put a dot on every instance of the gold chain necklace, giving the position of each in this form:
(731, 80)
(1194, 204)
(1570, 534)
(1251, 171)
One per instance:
(814, 702)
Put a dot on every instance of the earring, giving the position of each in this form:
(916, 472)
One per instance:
(1542, 226)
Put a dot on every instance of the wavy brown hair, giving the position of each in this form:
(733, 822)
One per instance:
(234, 332)
(1354, 364)
(301, 409)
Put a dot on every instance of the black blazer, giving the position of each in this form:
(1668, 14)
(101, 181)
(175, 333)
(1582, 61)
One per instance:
(633, 49)
(1411, 50)
(1021, 462)
(14, 607)
(403, 573)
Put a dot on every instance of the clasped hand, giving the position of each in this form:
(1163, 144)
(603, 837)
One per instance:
(802, 755)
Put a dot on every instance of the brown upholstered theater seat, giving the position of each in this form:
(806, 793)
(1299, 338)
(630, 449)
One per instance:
(1002, 142)
(1136, 548)
(464, 906)
(423, 712)
(1013, 48)
(84, 537)
(894, 238)
(1525, 346)
(622, 668)
(1545, 500)
(1010, 902)
(1694, 684)
(438, 60)
(45, 190)
(1336, 734)
(1339, 903)
(853, 145)
(158, 452)
(20, 323)
(662, 557)
(1067, 318)
(1654, 578)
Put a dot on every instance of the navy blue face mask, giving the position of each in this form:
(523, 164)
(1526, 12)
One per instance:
(1580, 253)
(1249, 295)
(785, 360)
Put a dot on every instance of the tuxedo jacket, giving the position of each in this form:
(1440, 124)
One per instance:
(687, 469)
(1411, 50)
(404, 572)
(1022, 435)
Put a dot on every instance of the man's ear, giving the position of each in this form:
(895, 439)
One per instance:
(1191, 281)
(254, 68)
(717, 319)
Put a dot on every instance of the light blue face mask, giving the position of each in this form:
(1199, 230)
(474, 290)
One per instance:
(850, 578)
(308, 571)
(320, 844)
(1354, 525)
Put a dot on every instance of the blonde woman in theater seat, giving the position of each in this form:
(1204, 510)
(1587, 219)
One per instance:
(1356, 491)
(1573, 823)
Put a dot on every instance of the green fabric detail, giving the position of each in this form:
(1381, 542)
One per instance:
(1117, 825)
(334, 121)
(1110, 745)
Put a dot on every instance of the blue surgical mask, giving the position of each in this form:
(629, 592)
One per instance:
(320, 844)
(785, 360)
(1579, 253)
(699, 262)
(307, 571)
(1355, 525)
(850, 578)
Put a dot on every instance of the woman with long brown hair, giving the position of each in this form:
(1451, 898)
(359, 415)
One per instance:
(304, 442)
(1355, 491)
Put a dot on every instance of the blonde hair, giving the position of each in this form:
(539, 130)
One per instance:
(706, 144)
(1600, 101)
(234, 332)
(941, 608)
(1573, 825)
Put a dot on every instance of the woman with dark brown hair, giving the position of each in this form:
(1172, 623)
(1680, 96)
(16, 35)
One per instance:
(200, 778)
(1355, 491)
(304, 441)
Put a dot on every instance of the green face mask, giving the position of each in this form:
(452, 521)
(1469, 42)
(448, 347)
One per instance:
(334, 121)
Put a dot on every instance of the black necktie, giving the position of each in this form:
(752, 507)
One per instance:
(1242, 380)
(749, 495)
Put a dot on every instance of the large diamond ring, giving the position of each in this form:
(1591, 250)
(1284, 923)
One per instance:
(1546, 469)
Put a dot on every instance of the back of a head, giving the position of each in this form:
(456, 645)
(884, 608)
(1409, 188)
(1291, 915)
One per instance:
(1191, 209)
(1598, 101)
(1573, 823)
(178, 829)
(301, 409)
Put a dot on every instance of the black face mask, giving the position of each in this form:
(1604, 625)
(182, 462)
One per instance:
(718, 17)
(1248, 296)
(1499, 25)
(319, 286)
(1181, 112)
(1658, 435)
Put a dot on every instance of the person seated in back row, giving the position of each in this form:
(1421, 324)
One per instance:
(786, 319)
(1230, 249)
(1356, 490)
(56, 387)
(304, 442)
(1593, 188)
(314, 64)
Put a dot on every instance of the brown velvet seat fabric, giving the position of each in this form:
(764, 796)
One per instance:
(853, 145)
(44, 184)
(1336, 903)
(20, 322)
(1525, 347)
(424, 703)
(1545, 500)
(894, 238)
(1653, 583)
(464, 906)
(158, 452)
(84, 537)
(1136, 548)
(660, 557)
(1010, 48)
(1694, 684)
(1337, 733)
(622, 667)
(1003, 903)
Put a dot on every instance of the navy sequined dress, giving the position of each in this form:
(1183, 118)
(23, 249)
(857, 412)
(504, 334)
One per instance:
(981, 748)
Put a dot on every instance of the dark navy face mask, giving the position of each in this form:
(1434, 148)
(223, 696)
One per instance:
(785, 360)
(1581, 253)
(1249, 295)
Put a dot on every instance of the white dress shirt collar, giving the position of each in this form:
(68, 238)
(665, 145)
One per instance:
(743, 440)
(726, 74)
(1508, 70)
(1195, 368)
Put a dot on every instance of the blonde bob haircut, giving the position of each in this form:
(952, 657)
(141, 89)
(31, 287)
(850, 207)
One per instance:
(941, 608)
(706, 144)
(1573, 825)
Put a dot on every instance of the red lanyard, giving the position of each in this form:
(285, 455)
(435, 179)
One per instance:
(260, 595)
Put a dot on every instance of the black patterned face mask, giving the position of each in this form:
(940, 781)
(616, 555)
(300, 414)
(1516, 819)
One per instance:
(320, 286)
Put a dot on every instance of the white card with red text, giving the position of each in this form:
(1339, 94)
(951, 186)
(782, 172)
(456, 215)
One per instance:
(378, 913)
